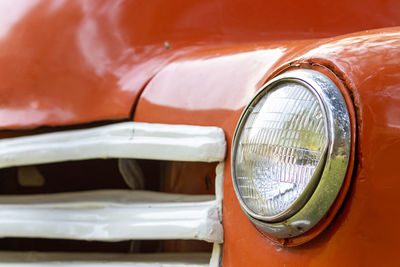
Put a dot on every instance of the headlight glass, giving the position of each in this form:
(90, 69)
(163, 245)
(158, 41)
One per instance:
(279, 150)
(291, 152)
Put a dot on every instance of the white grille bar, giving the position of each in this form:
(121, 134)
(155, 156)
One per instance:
(121, 140)
(112, 215)
(35, 259)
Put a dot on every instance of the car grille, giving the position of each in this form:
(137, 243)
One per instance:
(115, 215)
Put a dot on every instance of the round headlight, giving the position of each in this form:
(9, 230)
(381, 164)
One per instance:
(290, 152)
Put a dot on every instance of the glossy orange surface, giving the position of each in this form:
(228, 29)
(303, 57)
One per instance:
(64, 62)
(67, 62)
(212, 87)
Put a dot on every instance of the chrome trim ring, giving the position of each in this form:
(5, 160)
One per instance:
(314, 204)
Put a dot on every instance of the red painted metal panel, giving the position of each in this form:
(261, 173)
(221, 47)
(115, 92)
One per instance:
(214, 90)
(67, 62)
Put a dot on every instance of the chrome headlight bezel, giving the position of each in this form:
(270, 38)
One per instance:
(327, 181)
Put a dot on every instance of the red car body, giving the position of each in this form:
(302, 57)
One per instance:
(186, 62)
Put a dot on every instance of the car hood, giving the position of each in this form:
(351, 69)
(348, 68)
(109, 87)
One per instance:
(72, 62)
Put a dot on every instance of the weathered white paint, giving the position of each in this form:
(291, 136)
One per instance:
(111, 215)
(121, 140)
(219, 181)
(35, 259)
(216, 255)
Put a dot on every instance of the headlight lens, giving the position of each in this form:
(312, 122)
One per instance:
(279, 149)
(290, 152)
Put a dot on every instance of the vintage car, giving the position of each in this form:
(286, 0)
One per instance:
(199, 133)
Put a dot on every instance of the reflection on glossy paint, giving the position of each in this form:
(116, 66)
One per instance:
(55, 5)
(187, 81)
(369, 65)
(11, 12)
(77, 55)
(358, 44)
(11, 115)
(99, 41)
(92, 47)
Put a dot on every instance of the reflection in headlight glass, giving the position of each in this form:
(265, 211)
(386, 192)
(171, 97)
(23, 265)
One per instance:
(279, 148)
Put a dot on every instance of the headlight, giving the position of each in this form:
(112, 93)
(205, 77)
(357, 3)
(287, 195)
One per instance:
(290, 152)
